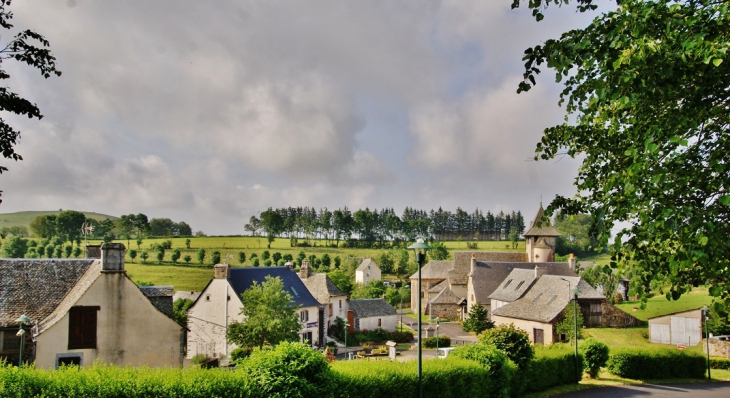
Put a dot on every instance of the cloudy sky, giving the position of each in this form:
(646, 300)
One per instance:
(210, 112)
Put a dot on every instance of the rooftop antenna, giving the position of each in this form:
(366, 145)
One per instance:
(86, 230)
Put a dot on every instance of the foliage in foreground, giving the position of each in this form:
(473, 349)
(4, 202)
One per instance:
(512, 341)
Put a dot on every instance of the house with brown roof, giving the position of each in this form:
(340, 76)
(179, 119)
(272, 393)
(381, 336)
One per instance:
(82, 311)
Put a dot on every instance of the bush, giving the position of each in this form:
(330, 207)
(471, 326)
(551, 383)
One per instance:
(596, 356)
(239, 354)
(289, 370)
(638, 364)
(401, 337)
(499, 368)
(552, 366)
(450, 378)
(719, 363)
(443, 341)
(198, 359)
(378, 335)
(512, 341)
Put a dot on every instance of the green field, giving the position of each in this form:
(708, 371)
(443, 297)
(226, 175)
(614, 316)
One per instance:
(24, 218)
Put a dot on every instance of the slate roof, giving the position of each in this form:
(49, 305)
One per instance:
(322, 287)
(447, 297)
(242, 278)
(438, 287)
(37, 287)
(547, 299)
(545, 229)
(157, 291)
(364, 264)
(488, 276)
(514, 285)
(435, 269)
(367, 308)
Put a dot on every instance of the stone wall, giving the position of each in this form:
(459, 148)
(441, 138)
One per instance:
(448, 311)
(613, 317)
(718, 348)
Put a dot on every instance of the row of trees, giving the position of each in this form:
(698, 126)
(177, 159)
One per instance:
(68, 225)
(369, 228)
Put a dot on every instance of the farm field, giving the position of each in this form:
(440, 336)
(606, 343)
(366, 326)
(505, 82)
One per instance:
(24, 218)
(659, 305)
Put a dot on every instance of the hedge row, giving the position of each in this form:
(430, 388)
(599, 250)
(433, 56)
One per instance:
(719, 363)
(638, 364)
(551, 367)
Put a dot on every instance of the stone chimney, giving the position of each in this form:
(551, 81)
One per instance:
(571, 262)
(540, 271)
(221, 271)
(112, 257)
(305, 271)
(289, 265)
(93, 251)
(473, 263)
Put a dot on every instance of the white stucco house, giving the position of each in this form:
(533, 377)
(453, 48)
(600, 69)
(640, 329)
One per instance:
(333, 302)
(369, 314)
(220, 303)
(82, 311)
(367, 271)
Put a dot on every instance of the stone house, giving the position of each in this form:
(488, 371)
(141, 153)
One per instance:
(367, 271)
(333, 302)
(82, 311)
(220, 303)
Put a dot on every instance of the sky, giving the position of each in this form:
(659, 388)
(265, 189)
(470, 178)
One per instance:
(211, 112)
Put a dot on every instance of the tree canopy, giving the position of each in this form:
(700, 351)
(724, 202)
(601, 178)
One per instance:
(269, 315)
(30, 48)
(647, 87)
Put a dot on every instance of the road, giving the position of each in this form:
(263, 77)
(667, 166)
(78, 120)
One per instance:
(704, 390)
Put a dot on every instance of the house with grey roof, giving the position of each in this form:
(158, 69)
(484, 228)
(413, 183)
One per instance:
(333, 302)
(367, 271)
(369, 314)
(160, 297)
(82, 311)
(220, 304)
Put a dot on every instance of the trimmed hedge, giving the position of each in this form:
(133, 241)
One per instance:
(719, 363)
(640, 364)
(552, 366)
(501, 370)
(443, 341)
(444, 379)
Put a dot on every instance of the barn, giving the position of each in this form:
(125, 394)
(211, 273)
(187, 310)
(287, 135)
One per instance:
(680, 328)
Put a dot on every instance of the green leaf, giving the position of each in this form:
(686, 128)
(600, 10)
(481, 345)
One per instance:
(715, 291)
(717, 61)
(725, 200)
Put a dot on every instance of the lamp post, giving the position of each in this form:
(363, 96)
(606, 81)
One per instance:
(438, 321)
(419, 248)
(21, 333)
(575, 320)
(347, 331)
(706, 311)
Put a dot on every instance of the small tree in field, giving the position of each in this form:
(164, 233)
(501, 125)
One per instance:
(132, 254)
(215, 257)
(478, 320)
(160, 255)
(144, 256)
(77, 251)
(175, 256)
(201, 256)
(67, 250)
(241, 257)
(187, 259)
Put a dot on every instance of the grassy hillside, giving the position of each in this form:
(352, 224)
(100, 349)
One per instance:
(24, 218)
(659, 305)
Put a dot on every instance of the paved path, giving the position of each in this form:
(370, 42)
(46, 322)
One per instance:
(704, 390)
(451, 329)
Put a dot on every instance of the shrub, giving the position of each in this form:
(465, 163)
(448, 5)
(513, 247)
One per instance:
(289, 370)
(639, 364)
(552, 366)
(499, 368)
(443, 341)
(378, 335)
(596, 356)
(401, 337)
(239, 354)
(198, 359)
(361, 337)
(215, 258)
(512, 341)
(720, 363)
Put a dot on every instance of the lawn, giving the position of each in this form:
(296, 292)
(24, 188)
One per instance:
(182, 278)
(659, 305)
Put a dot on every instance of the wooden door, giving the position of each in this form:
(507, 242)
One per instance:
(539, 336)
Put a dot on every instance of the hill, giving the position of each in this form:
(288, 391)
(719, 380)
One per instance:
(24, 218)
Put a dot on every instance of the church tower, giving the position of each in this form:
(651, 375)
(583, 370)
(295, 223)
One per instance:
(540, 239)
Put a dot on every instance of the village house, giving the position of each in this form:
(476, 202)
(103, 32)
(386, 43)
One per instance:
(370, 314)
(367, 271)
(83, 311)
(333, 302)
(220, 303)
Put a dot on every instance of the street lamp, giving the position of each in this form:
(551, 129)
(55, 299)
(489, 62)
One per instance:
(575, 319)
(706, 311)
(438, 321)
(419, 248)
(347, 331)
(21, 333)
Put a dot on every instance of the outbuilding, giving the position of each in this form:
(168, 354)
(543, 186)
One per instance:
(680, 328)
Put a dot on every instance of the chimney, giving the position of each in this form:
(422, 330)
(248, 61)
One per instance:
(289, 265)
(571, 262)
(112, 257)
(540, 271)
(473, 263)
(305, 271)
(221, 271)
(93, 251)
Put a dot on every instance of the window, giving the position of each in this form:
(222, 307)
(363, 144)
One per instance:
(507, 284)
(304, 316)
(330, 307)
(294, 291)
(537, 298)
(10, 341)
(340, 303)
(82, 327)
(380, 322)
(519, 285)
(68, 359)
(552, 299)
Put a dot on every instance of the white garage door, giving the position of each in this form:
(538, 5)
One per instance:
(685, 331)
(659, 333)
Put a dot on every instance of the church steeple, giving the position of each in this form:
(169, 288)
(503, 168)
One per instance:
(540, 238)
